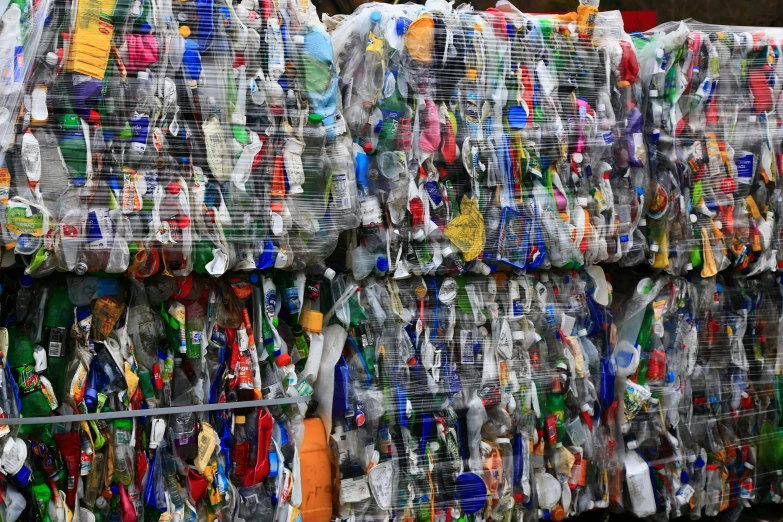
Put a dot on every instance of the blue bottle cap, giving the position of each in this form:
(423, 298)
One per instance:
(640, 191)
(382, 264)
(375, 17)
(472, 492)
(699, 462)
(402, 25)
(684, 477)
(145, 28)
(26, 280)
(670, 377)
(22, 478)
(254, 278)
(517, 117)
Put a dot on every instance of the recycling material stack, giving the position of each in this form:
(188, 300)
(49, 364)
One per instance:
(416, 263)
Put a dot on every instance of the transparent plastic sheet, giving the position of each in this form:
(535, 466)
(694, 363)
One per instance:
(711, 127)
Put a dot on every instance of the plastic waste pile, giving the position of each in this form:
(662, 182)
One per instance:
(539, 395)
(173, 136)
(93, 344)
(711, 123)
(416, 263)
(493, 136)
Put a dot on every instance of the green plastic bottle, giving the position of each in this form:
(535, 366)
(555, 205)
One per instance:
(555, 405)
(22, 364)
(392, 109)
(57, 320)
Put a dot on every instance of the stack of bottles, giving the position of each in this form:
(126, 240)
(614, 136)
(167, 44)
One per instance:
(173, 136)
(711, 129)
(471, 397)
(415, 263)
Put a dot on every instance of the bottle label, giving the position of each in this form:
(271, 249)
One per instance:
(339, 189)
(5, 185)
(471, 112)
(140, 124)
(57, 338)
(747, 489)
(391, 120)
(466, 345)
(292, 296)
(26, 378)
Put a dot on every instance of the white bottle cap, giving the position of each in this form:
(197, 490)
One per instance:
(299, 39)
(418, 235)
(330, 274)
(653, 93)
(693, 218)
(143, 75)
(518, 335)
(582, 332)
(577, 157)
(446, 252)
(632, 444)
(601, 107)
(51, 59)
(718, 224)
(485, 270)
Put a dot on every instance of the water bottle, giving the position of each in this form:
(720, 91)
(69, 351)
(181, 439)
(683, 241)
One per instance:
(141, 95)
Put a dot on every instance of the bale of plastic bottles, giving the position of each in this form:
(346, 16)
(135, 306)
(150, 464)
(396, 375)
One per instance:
(417, 263)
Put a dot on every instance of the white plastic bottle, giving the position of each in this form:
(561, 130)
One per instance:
(11, 77)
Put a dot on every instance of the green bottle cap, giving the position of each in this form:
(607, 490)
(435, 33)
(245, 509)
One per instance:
(315, 118)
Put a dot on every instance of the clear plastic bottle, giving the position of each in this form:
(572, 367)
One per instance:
(124, 455)
(183, 425)
(713, 491)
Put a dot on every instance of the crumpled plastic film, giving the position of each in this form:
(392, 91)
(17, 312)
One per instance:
(176, 136)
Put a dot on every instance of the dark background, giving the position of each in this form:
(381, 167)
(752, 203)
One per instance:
(759, 13)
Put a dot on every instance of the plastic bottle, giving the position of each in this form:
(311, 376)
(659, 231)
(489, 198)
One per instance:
(392, 108)
(626, 353)
(141, 95)
(58, 317)
(124, 455)
(24, 296)
(183, 425)
(713, 491)
(11, 50)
